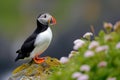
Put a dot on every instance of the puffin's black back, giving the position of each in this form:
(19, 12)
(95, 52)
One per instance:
(28, 44)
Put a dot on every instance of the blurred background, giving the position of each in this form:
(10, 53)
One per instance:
(74, 17)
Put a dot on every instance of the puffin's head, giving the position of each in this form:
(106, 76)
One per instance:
(46, 19)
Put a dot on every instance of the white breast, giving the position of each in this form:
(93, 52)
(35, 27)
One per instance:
(42, 42)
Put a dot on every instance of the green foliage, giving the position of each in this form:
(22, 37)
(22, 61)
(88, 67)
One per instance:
(104, 64)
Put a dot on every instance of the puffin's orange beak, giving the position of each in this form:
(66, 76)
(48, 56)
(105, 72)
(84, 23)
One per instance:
(52, 21)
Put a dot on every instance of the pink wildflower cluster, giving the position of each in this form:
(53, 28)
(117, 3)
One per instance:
(85, 68)
(102, 48)
(80, 76)
(93, 45)
(88, 53)
(108, 38)
(64, 60)
(102, 64)
(72, 53)
(76, 75)
(78, 43)
(117, 26)
(108, 27)
(118, 45)
(111, 78)
(88, 35)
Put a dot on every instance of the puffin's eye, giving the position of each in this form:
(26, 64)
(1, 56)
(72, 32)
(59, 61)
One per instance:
(45, 16)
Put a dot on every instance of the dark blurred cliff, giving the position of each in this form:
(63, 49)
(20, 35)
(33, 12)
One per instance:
(18, 20)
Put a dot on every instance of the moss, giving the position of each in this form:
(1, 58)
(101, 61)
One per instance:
(37, 71)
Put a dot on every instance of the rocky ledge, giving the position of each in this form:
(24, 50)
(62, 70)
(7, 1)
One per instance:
(33, 71)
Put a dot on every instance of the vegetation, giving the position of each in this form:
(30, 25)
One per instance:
(97, 59)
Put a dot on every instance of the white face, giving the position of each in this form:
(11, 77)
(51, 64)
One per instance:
(44, 18)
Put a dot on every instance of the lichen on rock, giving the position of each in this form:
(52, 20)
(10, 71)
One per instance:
(33, 71)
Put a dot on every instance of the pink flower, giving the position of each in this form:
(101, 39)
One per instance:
(108, 38)
(102, 64)
(83, 77)
(85, 68)
(117, 26)
(72, 53)
(102, 48)
(78, 44)
(76, 75)
(88, 53)
(88, 35)
(79, 41)
(111, 78)
(64, 60)
(118, 45)
(108, 26)
(93, 45)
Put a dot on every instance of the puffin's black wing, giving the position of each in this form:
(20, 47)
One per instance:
(26, 48)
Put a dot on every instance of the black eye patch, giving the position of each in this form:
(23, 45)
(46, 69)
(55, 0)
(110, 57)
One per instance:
(45, 16)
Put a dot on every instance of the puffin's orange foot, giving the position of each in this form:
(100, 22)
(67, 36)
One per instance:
(38, 60)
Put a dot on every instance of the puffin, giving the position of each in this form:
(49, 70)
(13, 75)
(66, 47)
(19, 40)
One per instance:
(39, 40)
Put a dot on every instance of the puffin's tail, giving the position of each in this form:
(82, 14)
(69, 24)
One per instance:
(20, 55)
(18, 51)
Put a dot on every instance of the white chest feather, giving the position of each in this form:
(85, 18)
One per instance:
(42, 42)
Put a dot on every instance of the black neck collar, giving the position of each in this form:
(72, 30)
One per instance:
(40, 27)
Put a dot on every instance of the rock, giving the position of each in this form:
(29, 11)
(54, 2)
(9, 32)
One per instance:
(33, 71)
